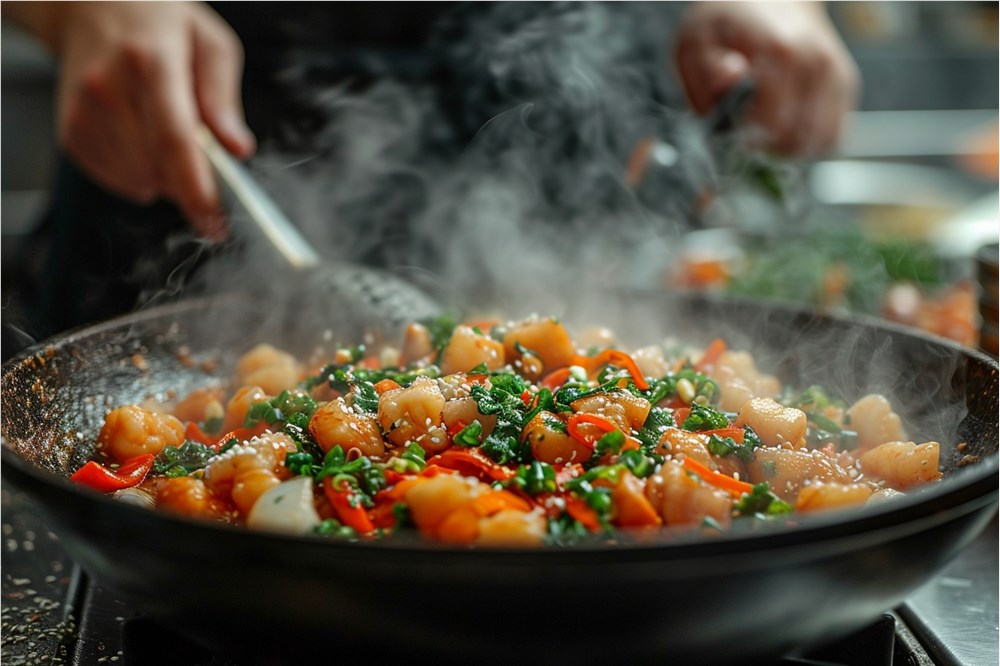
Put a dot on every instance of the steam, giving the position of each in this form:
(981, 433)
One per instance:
(507, 184)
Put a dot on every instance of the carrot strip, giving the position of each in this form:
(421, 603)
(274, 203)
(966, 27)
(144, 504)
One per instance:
(397, 492)
(727, 483)
(386, 385)
(711, 355)
(614, 357)
(631, 444)
(734, 433)
(352, 515)
(435, 470)
(581, 512)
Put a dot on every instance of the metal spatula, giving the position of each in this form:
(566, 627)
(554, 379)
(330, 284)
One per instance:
(362, 293)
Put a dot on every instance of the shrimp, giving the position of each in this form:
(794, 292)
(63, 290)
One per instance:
(545, 338)
(681, 500)
(774, 423)
(550, 443)
(417, 344)
(599, 337)
(462, 510)
(787, 470)
(130, 431)
(511, 527)
(625, 410)
(632, 507)
(431, 500)
(186, 496)
(336, 424)
(266, 451)
(270, 368)
(875, 422)
(413, 414)
(651, 361)
(827, 496)
(246, 471)
(739, 380)
(466, 410)
(249, 485)
(467, 349)
(239, 405)
(200, 405)
(902, 464)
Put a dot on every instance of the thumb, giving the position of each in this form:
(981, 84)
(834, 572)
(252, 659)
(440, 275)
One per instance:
(709, 71)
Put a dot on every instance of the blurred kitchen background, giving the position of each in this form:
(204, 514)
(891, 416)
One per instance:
(913, 187)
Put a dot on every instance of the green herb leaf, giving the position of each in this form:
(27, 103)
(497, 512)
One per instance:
(180, 461)
(365, 396)
(761, 501)
(534, 478)
(656, 424)
(703, 417)
(469, 435)
(333, 528)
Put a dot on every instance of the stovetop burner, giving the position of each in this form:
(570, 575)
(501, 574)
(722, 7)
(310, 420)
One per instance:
(53, 614)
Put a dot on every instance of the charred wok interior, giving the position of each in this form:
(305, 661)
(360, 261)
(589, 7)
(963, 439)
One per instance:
(824, 577)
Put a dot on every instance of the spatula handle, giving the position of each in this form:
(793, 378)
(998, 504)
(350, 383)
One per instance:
(257, 204)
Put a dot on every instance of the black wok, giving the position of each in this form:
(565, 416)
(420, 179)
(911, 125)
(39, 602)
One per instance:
(734, 597)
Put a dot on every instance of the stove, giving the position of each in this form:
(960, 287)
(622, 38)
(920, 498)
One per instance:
(52, 613)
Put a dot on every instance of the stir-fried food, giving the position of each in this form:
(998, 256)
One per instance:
(505, 433)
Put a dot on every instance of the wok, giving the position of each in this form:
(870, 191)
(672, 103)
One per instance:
(745, 595)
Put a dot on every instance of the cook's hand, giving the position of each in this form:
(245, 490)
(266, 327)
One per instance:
(806, 81)
(136, 81)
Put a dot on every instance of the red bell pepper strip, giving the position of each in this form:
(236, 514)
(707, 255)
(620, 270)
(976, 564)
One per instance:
(194, 432)
(348, 508)
(574, 422)
(130, 473)
(680, 415)
(555, 379)
(471, 462)
(456, 428)
(240, 435)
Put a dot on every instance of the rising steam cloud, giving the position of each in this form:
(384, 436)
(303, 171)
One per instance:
(507, 182)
